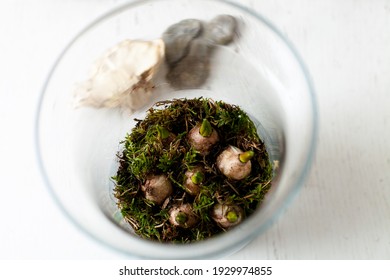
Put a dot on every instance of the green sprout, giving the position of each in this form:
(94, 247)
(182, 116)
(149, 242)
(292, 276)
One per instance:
(197, 178)
(205, 128)
(246, 156)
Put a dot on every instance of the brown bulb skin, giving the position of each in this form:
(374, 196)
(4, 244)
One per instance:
(220, 214)
(185, 210)
(228, 162)
(200, 143)
(157, 188)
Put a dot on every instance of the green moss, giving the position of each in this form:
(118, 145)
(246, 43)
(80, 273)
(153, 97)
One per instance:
(148, 149)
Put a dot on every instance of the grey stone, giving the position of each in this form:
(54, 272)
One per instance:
(193, 70)
(189, 45)
(177, 38)
(221, 29)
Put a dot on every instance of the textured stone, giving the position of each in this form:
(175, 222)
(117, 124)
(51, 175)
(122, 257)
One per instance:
(178, 37)
(193, 70)
(189, 45)
(221, 29)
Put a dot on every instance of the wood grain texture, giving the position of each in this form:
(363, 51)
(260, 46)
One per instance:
(343, 210)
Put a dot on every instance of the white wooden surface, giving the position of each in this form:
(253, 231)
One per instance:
(343, 211)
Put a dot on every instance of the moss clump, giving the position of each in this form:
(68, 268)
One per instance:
(146, 153)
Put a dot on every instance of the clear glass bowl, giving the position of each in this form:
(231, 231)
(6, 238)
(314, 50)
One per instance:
(260, 71)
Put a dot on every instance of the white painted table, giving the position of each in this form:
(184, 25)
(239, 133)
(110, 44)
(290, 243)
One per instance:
(343, 210)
